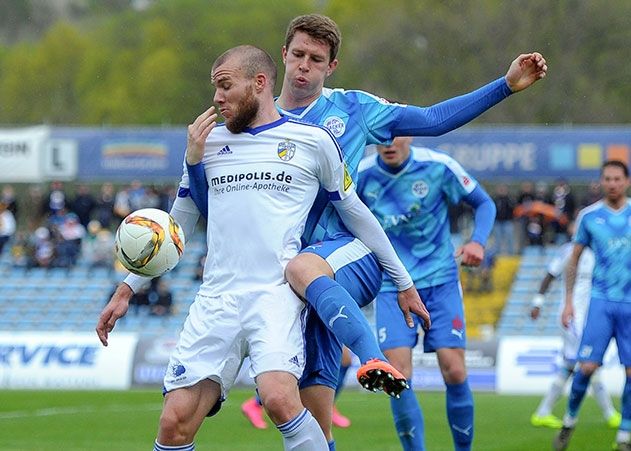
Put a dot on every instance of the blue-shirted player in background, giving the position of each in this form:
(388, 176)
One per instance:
(409, 191)
(605, 227)
(335, 273)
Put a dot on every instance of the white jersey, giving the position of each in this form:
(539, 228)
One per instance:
(583, 283)
(262, 183)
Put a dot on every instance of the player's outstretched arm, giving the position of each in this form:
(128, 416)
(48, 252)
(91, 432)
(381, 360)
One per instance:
(525, 70)
(115, 309)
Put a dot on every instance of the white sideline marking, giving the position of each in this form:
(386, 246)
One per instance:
(77, 410)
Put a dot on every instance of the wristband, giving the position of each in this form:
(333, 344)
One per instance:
(537, 300)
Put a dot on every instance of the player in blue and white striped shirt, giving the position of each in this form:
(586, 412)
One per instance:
(409, 191)
(605, 227)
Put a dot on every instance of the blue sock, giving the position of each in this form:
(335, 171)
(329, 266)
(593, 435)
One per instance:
(331, 445)
(341, 314)
(340, 379)
(460, 414)
(625, 425)
(408, 420)
(579, 387)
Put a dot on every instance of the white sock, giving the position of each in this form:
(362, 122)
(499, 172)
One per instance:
(568, 421)
(554, 393)
(158, 447)
(602, 397)
(623, 436)
(303, 433)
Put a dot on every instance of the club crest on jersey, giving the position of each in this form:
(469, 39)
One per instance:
(335, 125)
(286, 150)
(420, 189)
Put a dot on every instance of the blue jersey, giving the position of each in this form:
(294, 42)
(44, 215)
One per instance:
(608, 234)
(357, 119)
(411, 204)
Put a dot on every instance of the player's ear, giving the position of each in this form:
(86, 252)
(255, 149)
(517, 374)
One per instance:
(260, 82)
(283, 53)
(332, 67)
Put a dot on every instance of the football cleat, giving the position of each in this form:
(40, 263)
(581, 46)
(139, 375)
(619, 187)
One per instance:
(546, 421)
(254, 413)
(614, 420)
(621, 446)
(377, 375)
(340, 420)
(562, 439)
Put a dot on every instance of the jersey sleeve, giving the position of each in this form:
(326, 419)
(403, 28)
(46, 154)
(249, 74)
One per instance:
(332, 172)
(457, 183)
(582, 234)
(379, 116)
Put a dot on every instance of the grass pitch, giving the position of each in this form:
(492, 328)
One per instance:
(108, 421)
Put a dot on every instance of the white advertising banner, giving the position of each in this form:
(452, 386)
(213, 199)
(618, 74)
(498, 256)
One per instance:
(527, 365)
(21, 151)
(64, 360)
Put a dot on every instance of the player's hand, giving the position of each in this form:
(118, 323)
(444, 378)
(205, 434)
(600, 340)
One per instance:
(567, 315)
(525, 70)
(471, 254)
(534, 312)
(198, 131)
(113, 311)
(410, 302)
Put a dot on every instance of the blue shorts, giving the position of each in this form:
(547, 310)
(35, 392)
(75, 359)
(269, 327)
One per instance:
(606, 320)
(444, 303)
(357, 270)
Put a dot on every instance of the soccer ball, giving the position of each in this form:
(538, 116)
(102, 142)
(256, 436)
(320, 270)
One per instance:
(149, 242)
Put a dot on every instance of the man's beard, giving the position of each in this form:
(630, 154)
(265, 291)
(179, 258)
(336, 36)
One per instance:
(246, 111)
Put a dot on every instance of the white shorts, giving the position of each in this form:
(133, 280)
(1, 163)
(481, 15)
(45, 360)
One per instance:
(219, 332)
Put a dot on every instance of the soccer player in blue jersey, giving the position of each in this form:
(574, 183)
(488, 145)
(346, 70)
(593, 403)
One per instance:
(409, 191)
(335, 273)
(605, 227)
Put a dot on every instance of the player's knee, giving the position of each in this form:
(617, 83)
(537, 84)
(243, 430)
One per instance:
(454, 374)
(304, 269)
(280, 406)
(173, 429)
(588, 368)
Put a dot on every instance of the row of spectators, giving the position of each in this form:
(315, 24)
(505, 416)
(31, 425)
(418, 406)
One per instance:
(52, 229)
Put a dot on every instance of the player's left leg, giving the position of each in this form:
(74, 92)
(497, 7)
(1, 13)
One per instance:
(280, 397)
(448, 338)
(397, 341)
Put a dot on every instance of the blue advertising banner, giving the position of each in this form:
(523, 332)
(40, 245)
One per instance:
(488, 153)
(126, 154)
(533, 152)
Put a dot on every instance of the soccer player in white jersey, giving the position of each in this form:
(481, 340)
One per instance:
(333, 263)
(265, 172)
(571, 336)
(606, 228)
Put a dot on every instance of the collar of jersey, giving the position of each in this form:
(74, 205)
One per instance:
(389, 169)
(262, 128)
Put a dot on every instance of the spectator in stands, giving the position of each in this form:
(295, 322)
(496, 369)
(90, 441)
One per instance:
(565, 205)
(21, 252)
(8, 198)
(504, 230)
(525, 198)
(592, 195)
(543, 417)
(83, 204)
(7, 225)
(104, 206)
(35, 214)
(68, 233)
(43, 248)
(199, 269)
(167, 195)
(160, 297)
(56, 199)
(98, 247)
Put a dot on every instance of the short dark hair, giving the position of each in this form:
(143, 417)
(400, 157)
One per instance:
(616, 164)
(253, 61)
(321, 28)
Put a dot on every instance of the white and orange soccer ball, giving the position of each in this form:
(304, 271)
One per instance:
(149, 242)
